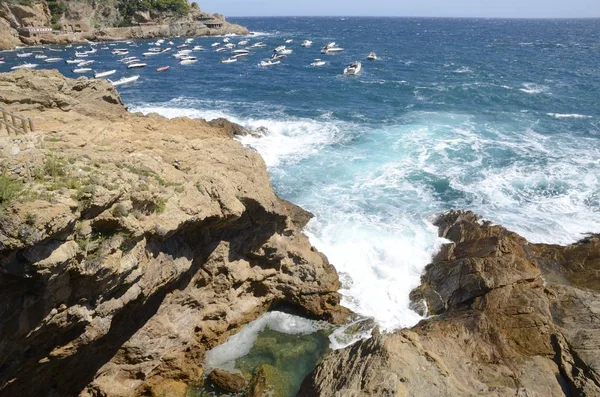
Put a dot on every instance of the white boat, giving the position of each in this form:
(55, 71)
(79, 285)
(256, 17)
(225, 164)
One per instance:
(306, 43)
(268, 63)
(54, 49)
(221, 49)
(81, 55)
(171, 43)
(331, 48)
(128, 59)
(154, 50)
(289, 41)
(240, 52)
(124, 80)
(277, 57)
(85, 63)
(104, 74)
(51, 60)
(188, 61)
(120, 52)
(25, 66)
(81, 70)
(240, 55)
(229, 60)
(136, 65)
(229, 45)
(215, 44)
(225, 40)
(92, 51)
(182, 46)
(280, 48)
(74, 61)
(25, 54)
(188, 41)
(353, 69)
(318, 62)
(41, 56)
(244, 42)
(260, 44)
(198, 48)
(287, 51)
(150, 54)
(372, 56)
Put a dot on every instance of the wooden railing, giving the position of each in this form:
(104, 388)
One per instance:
(14, 122)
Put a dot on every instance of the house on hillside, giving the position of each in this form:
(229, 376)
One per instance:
(34, 31)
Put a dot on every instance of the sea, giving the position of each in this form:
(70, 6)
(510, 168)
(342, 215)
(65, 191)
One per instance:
(501, 117)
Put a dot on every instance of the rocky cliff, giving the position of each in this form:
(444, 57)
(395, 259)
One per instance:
(80, 20)
(508, 318)
(129, 244)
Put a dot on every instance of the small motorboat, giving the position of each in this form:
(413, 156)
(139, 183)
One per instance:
(215, 44)
(135, 60)
(25, 54)
(372, 56)
(225, 40)
(104, 74)
(82, 70)
(74, 61)
(54, 49)
(128, 59)
(318, 62)
(221, 49)
(41, 56)
(149, 54)
(268, 63)
(85, 63)
(171, 43)
(244, 42)
(162, 68)
(289, 41)
(277, 57)
(198, 48)
(246, 52)
(331, 49)
(280, 48)
(182, 46)
(240, 55)
(229, 60)
(306, 43)
(135, 65)
(229, 45)
(188, 61)
(25, 66)
(353, 69)
(51, 60)
(287, 51)
(124, 80)
(120, 51)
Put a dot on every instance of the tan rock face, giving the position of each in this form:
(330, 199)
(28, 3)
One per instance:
(511, 319)
(137, 243)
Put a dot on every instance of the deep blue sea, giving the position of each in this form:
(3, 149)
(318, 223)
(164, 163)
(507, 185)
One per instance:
(501, 117)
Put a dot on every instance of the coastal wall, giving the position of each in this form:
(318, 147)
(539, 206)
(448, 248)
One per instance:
(131, 244)
(508, 318)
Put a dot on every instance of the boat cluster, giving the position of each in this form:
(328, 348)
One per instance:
(183, 53)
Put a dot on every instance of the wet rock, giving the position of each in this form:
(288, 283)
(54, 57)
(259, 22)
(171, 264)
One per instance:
(268, 381)
(227, 381)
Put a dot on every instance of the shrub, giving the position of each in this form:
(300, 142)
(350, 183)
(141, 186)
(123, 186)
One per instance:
(10, 189)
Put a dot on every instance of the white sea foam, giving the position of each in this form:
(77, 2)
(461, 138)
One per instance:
(239, 345)
(374, 191)
(568, 116)
(532, 88)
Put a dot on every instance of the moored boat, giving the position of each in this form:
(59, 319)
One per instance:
(104, 74)
(229, 60)
(82, 70)
(162, 68)
(318, 62)
(353, 69)
(25, 66)
(124, 80)
(372, 56)
(136, 65)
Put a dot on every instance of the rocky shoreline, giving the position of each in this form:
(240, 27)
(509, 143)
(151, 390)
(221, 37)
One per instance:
(508, 318)
(133, 244)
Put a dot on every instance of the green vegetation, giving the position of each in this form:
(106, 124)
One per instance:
(10, 189)
(128, 8)
(57, 9)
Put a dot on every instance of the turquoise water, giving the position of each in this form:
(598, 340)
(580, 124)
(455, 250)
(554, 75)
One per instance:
(497, 116)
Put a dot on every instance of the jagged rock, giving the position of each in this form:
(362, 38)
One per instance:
(512, 318)
(124, 270)
(227, 381)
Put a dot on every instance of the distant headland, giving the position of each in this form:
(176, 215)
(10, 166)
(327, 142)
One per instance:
(35, 22)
